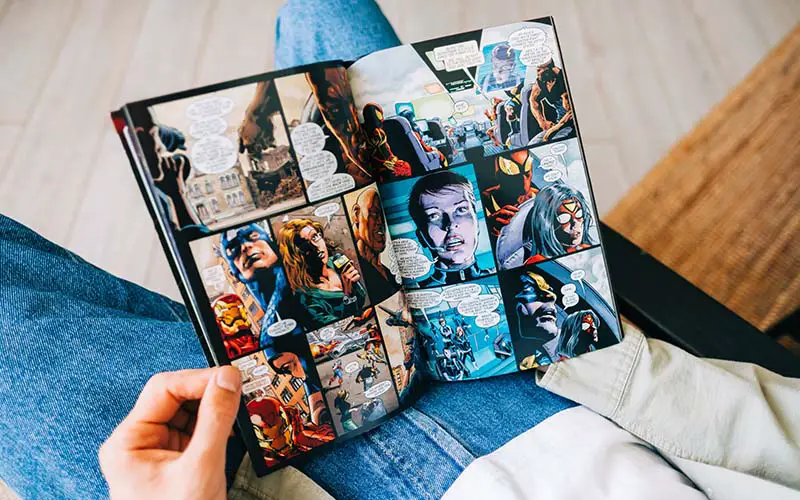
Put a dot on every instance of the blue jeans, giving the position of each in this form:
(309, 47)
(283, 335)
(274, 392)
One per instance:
(78, 345)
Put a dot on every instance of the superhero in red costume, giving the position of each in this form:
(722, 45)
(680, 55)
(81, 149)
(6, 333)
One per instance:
(365, 152)
(281, 432)
(234, 326)
(376, 151)
(514, 174)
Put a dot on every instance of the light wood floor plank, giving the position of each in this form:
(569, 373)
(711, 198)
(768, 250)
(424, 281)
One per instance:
(735, 40)
(238, 45)
(683, 61)
(31, 36)
(57, 149)
(627, 82)
(165, 58)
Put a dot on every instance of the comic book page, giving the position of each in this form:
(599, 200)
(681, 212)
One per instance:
(487, 200)
(265, 189)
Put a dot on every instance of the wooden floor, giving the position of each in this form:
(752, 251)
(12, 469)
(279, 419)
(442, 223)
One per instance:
(642, 74)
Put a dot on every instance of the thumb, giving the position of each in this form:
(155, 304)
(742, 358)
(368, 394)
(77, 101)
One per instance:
(216, 414)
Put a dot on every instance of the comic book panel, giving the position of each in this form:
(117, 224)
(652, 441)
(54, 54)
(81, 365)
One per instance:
(342, 337)
(337, 149)
(282, 395)
(321, 264)
(437, 226)
(400, 339)
(462, 330)
(357, 380)
(538, 203)
(373, 243)
(246, 286)
(220, 158)
(560, 308)
(470, 95)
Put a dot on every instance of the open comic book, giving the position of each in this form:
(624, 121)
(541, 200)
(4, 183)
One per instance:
(346, 232)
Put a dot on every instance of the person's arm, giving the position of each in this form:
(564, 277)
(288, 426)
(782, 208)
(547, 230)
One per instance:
(564, 119)
(738, 416)
(536, 109)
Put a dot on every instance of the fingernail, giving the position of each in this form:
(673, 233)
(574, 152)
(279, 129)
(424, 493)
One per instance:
(228, 378)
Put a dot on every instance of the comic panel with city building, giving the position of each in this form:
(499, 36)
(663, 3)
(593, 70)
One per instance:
(462, 330)
(321, 264)
(538, 203)
(399, 337)
(468, 96)
(560, 308)
(220, 158)
(373, 243)
(437, 226)
(355, 372)
(246, 286)
(282, 395)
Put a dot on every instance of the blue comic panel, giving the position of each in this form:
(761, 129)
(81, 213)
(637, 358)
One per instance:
(560, 309)
(462, 330)
(437, 227)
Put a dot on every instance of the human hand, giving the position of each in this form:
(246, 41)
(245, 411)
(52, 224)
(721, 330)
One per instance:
(172, 443)
(350, 276)
(502, 218)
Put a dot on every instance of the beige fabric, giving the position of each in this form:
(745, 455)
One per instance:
(282, 484)
(706, 415)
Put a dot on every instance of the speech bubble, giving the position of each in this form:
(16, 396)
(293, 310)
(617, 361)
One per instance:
(568, 289)
(414, 266)
(478, 305)
(458, 293)
(281, 327)
(526, 38)
(318, 165)
(213, 275)
(308, 138)
(244, 364)
(536, 56)
(260, 371)
(547, 163)
(461, 106)
(255, 385)
(487, 320)
(460, 55)
(552, 176)
(213, 154)
(352, 367)
(559, 150)
(378, 389)
(209, 107)
(208, 126)
(423, 299)
(578, 274)
(405, 246)
(330, 186)
(570, 300)
(327, 209)
(327, 334)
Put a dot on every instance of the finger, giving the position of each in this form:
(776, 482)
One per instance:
(216, 415)
(164, 394)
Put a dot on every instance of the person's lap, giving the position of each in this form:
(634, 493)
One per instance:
(79, 344)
